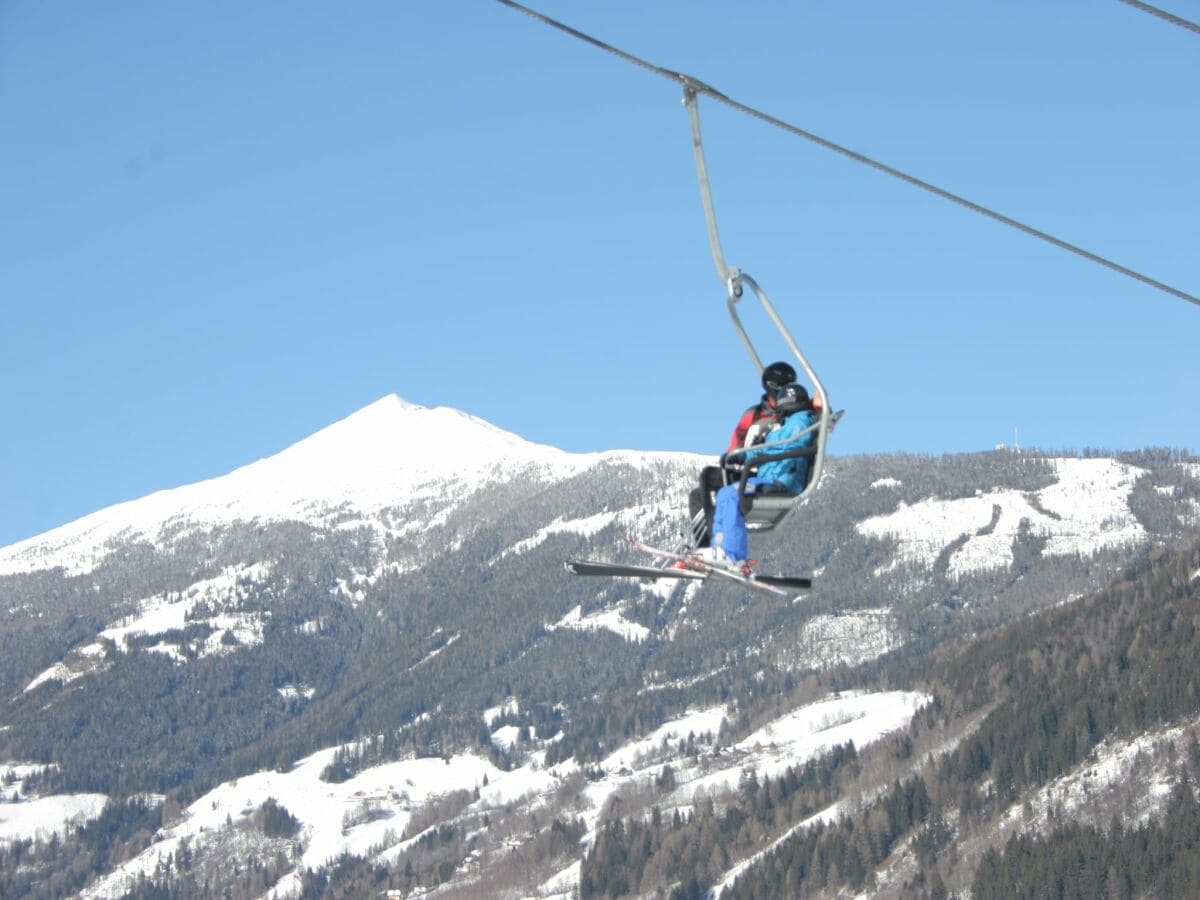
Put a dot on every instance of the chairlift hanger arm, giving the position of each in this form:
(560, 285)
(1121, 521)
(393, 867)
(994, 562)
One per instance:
(733, 278)
(727, 276)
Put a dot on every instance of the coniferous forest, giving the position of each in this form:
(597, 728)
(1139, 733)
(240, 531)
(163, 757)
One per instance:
(1039, 676)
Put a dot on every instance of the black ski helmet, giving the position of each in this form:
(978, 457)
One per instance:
(776, 375)
(791, 398)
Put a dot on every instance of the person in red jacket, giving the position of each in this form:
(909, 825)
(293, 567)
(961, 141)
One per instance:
(774, 377)
(751, 429)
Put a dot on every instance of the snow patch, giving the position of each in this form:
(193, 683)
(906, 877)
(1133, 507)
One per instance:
(848, 639)
(1111, 767)
(806, 733)
(324, 810)
(698, 722)
(1086, 510)
(563, 884)
(296, 692)
(585, 527)
(640, 519)
(59, 672)
(506, 737)
(609, 620)
(13, 776)
(160, 614)
(509, 708)
(172, 612)
(434, 653)
(42, 817)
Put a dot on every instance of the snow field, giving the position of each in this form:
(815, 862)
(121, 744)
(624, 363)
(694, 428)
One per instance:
(41, 817)
(812, 730)
(161, 614)
(851, 638)
(395, 790)
(23, 817)
(607, 620)
(1111, 766)
(1086, 510)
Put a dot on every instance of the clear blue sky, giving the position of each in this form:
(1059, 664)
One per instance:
(226, 225)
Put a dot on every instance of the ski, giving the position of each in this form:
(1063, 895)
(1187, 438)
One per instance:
(796, 583)
(617, 570)
(688, 567)
(776, 585)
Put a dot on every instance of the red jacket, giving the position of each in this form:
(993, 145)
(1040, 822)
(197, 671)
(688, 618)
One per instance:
(749, 417)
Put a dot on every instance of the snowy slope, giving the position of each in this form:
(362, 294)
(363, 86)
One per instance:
(1086, 510)
(167, 612)
(385, 455)
(23, 816)
(396, 791)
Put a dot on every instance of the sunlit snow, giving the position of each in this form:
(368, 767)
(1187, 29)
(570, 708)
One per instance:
(386, 455)
(510, 707)
(704, 721)
(160, 614)
(296, 692)
(1110, 767)
(817, 728)
(606, 620)
(170, 612)
(394, 791)
(850, 639)
(24, 816)
(1086, 510)
(506, 736)
(42, 817)
(59, 672)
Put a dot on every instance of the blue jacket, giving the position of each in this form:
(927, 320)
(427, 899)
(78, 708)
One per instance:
(790, 473)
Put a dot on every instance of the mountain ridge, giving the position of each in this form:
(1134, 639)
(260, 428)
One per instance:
(382, 455)
(387, 658)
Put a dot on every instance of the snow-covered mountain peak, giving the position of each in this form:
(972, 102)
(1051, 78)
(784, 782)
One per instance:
(396, 433)
(381, 456)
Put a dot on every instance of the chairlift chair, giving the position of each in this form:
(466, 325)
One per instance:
(763, 511)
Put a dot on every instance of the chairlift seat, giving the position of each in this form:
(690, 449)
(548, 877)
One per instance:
(768, 510)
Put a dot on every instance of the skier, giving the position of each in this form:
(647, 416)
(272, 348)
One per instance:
(751, 429)
(794, 412)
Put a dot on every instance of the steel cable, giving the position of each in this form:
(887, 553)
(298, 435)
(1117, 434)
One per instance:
(1164, 15)
(701, 88)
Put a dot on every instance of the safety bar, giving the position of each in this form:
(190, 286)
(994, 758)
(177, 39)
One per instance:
(799, 453)
(765, 448)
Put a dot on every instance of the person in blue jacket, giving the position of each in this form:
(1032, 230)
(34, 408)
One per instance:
(794, 411)
(751, 429)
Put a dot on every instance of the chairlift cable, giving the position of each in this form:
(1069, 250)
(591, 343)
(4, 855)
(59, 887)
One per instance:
(1164, 15)
(701, 88)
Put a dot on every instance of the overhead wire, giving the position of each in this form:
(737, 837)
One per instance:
(701, 88)
(1164, 15)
